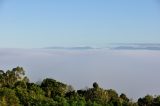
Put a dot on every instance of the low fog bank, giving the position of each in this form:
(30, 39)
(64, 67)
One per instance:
(133, 72)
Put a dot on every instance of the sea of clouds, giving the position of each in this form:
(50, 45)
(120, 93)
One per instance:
(134, 72)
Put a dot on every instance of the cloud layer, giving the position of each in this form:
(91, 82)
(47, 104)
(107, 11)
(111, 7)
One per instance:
(135, 73)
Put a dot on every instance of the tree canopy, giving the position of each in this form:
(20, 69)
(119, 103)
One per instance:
(17, 90)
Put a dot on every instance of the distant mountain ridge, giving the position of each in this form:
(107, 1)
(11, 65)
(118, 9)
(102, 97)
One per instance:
(71, 48)
(116, 46)
(136, 46)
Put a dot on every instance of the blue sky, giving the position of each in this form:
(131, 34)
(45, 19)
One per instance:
(43, 23)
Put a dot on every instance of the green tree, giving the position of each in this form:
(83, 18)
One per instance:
(95, 85)
(53, 88)
(8, 97)
(9, 78)
(156, 101)
(124, 97)
(146, 101)
(97, 94)
(112, 94)
(23, 96)
(2, 78)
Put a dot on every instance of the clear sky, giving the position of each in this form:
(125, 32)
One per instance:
(43, 23)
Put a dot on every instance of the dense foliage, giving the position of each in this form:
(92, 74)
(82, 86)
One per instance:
(17, 90)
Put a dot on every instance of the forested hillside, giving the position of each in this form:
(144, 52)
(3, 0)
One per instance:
(17, 90)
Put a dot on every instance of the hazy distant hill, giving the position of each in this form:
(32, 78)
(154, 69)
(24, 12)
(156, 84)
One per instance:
(136, 46)
(71, 48)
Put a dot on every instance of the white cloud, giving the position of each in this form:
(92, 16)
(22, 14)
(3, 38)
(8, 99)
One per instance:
(135, 73)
